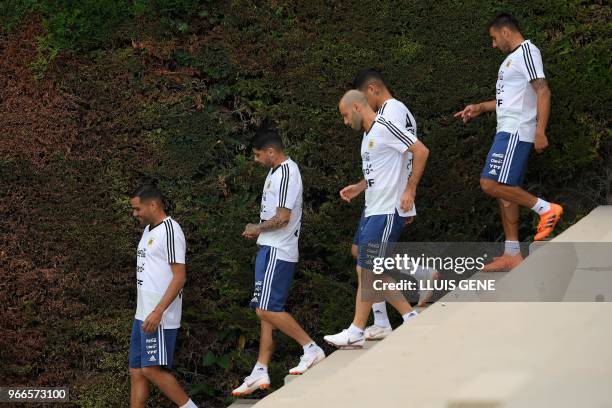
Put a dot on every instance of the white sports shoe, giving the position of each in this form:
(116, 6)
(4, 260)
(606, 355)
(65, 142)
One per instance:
(308, 360)
(425, 295)
(344, 340)
(376, 332)
(250, 384)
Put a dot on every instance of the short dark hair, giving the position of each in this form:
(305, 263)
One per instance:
(147, 192)
(366, 76)
(504, 20)
(267, 138)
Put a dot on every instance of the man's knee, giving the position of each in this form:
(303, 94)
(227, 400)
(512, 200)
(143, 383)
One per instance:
(139, 384)
(136, 374)
(264, 314)
(488, 186)
(151, 372)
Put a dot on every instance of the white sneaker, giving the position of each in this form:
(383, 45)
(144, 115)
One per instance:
(308, 360)
(250, 384)
(344, 340)
(425, 295)
(376, 332)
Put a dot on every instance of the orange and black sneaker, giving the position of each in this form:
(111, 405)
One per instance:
(503, 263)
(548, 220)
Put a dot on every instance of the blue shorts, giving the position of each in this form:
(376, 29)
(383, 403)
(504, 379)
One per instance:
(272, 280)
(507, 160)
(151, 349)
(374, 236)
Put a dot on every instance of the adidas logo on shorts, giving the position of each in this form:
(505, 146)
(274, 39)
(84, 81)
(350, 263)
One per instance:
(152, 358)
(493, 172)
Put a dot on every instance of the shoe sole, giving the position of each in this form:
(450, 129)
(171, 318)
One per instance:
(501, 269)
(505, 268)
(351, 347)
(242, 394)
(312, 365)
(377, 338)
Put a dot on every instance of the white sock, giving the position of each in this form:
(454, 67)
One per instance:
(410, 315)
(512, 248)
(259, 369)
(541, 206)
(420, 273)
(189, 404)
(310, 347)
(380, 314)
(355, 331)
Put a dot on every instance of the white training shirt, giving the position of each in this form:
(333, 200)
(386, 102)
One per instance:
(383, 151)
(516, 98)
(395, 111)
(283, 188)
(158, 248)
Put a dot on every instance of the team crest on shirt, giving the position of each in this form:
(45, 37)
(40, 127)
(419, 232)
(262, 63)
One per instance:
(371, 144)
(268, 184)
(150, 243)
(508, 64)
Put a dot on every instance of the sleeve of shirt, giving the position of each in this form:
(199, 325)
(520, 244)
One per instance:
(175, 243)
(531, 65)
(399, 114)
(398, 138)
(289, 188)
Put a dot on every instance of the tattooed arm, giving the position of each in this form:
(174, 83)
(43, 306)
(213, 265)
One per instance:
(543, 105)
(280, 220)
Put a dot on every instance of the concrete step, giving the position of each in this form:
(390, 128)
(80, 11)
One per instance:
(244, 403)
(481, 352)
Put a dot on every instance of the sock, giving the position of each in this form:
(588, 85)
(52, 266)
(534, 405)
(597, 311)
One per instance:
(512, 248)
(420, 273)
(355, 331)
(380, 314)
(541, 207)
(310, 347)
(259, 369)
(410, 315)
(189, 404)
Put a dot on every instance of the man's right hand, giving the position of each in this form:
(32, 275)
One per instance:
(350, 192)
(469, 112)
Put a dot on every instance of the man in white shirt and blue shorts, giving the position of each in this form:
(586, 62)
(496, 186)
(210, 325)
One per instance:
(383, 149)
(277, 235)
(522, 107)
(160, 277)
(372, 84)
